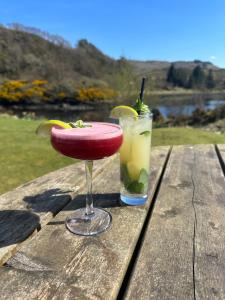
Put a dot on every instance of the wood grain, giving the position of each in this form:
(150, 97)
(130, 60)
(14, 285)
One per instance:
(183, 253)
(56, 264)
(32, 205)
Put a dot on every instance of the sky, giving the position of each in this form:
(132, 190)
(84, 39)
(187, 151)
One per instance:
(144, 30)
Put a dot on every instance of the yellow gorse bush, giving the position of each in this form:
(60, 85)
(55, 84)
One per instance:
(39, 82)
(14, 84)
(18, 90)
(61, 95)
(41, 90)
(11, 90)
(15, 97)
(95, 93)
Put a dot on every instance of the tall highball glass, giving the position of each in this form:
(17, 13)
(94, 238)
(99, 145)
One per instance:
(135, 158)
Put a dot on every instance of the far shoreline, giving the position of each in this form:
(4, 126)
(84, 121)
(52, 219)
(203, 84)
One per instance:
(154, 97)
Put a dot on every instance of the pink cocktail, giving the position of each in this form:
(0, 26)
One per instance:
(89, 143)
(94, 141)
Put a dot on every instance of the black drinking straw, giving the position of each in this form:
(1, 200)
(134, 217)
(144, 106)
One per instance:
(142, 89)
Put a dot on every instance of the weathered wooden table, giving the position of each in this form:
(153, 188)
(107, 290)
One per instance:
(171, 248)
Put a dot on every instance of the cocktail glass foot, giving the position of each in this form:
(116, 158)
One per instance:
(88, 224)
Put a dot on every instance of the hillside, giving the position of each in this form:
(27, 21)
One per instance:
(27, 55)
(157, 71)
(150, 65)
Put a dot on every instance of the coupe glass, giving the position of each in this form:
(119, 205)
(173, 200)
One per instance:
(95, 141)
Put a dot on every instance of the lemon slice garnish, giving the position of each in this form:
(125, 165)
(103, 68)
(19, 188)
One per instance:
(123, 111)
(44, 129)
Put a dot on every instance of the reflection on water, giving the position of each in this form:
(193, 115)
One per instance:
(187, 109)
(72, 116)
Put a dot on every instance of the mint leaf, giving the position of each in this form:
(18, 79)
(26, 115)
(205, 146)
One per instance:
(135, 187)
(140, 107)
(79, 124)
(143, 178)
(124, 175)
(145, 133)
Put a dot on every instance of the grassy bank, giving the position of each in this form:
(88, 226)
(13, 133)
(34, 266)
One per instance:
(25, 156)
(182, 91)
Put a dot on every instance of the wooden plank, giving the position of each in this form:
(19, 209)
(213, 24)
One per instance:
(183, 253)
(32, 205)
(221, 154)
(56, 264)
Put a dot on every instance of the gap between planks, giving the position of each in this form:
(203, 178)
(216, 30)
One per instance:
(143, 231)
(192, 266)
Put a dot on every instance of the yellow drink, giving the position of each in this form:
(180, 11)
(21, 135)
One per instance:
(135, 158)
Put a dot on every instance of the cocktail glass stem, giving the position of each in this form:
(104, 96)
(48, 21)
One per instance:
(89, 198)
(88, 220)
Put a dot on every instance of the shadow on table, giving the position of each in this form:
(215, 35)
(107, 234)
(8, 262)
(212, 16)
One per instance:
(51, 200)
(99, 200)
(16, 226)
(54, 200)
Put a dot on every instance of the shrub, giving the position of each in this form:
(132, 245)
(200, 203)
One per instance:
(95, 93)
(40, 90)
(61, 95)
(19, 90)
(39, 82)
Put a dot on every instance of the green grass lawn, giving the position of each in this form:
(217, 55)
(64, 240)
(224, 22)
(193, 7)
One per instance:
(24, 156)
(181, 136)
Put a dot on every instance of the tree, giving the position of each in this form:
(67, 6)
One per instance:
(210, 82)
(197, 78)
(170, 74)
(181, 77)
(197, 61)
(178, 77)
(53, 38)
